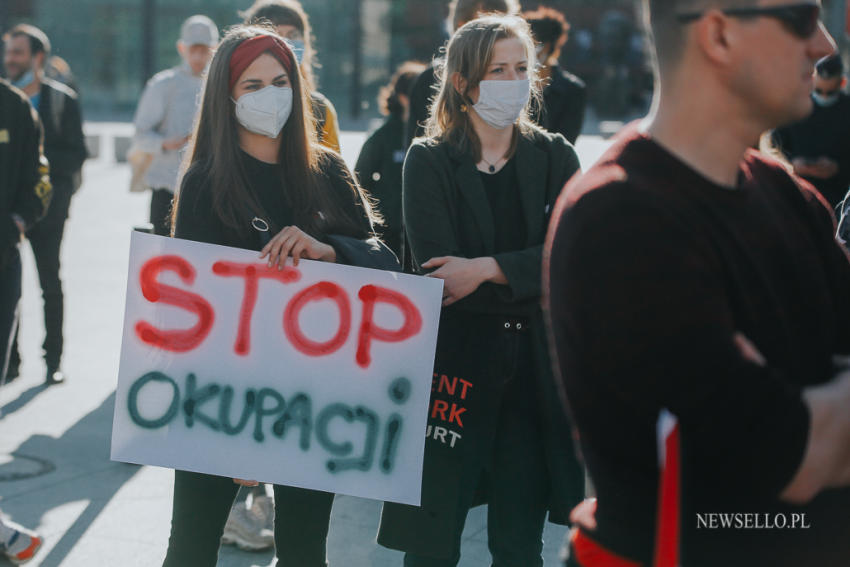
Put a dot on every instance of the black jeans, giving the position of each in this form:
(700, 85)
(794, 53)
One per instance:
(10, 295)
(202, 503)
(46, 240)
(161, 211)
(516, 479)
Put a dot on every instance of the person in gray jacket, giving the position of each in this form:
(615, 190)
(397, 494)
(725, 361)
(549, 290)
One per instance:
(166, 112)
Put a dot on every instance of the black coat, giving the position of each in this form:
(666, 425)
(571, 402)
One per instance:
(24, 186)
(564, 103)
(378, 170)
(64, 142)
(446, 212)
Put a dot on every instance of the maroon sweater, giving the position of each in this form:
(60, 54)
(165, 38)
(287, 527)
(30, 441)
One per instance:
(652, 270)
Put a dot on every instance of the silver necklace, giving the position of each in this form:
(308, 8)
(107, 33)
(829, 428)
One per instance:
(492, 168)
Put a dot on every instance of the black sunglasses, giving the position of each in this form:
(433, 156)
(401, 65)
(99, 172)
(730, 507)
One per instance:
(800, 19)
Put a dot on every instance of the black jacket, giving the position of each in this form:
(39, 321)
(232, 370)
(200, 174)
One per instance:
(64, 142)
(378, 170)
(24, 185)
(822, 134)
(423, 90)
(564, 102)
(446, 213)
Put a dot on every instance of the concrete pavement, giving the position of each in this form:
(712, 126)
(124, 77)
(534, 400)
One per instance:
(55, 472)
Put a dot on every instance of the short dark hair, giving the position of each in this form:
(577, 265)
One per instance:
(400, 84)
(278, 12)
(830, 67)
(37, 38)
(548, 25)
(668, 33)
(462, 11)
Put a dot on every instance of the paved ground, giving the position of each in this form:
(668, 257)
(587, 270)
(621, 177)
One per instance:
(55, 472)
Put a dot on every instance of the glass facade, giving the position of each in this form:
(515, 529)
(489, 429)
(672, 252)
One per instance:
(113, 46)
(112, 50)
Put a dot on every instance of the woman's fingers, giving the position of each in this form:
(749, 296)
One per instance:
(436, 261)
(298, 250)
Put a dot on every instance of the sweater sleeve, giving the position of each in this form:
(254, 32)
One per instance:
(149, 115)
(641, 306)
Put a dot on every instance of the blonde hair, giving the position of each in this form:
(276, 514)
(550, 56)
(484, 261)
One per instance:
(468, 54)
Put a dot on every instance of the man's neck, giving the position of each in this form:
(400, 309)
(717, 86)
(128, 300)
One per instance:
(709, 136)
(33, 88)
(259, 147)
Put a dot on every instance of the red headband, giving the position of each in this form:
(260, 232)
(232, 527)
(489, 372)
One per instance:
(251, 48)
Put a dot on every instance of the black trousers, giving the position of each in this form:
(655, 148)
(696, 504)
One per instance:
(10, 295)
(46, 241)
(161, 211)
(201, 506)
(515, 478)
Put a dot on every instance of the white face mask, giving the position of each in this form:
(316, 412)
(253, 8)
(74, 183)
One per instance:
(501, 102)
(265, 111)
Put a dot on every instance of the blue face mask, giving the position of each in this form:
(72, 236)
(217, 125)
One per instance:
(297, 48)
(25, 80)
(825, 100)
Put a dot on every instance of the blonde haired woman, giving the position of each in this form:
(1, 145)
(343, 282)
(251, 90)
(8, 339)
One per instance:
(477, 196)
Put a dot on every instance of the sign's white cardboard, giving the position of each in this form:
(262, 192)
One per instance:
(234, 369)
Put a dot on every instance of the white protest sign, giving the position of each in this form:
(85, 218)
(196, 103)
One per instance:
(316, 376)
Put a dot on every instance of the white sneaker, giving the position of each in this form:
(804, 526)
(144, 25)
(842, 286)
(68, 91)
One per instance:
(263, 507)
(18, 544)
(246, 528)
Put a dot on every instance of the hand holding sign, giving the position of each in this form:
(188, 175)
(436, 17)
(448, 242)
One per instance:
(292, 241)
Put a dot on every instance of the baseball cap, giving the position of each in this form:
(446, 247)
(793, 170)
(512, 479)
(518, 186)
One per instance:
(199, 30)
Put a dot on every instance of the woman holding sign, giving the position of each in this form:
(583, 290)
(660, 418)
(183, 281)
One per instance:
(477, 195)
(257, 179)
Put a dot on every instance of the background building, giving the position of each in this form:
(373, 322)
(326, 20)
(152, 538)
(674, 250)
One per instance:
(114, 46)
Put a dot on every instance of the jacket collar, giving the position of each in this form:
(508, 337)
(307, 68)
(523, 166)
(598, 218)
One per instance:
(531, 167)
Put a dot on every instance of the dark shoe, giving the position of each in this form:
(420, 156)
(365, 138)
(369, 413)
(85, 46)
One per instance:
(54, 376)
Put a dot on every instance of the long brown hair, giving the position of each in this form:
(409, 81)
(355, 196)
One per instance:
(468, 54)
(214, 148)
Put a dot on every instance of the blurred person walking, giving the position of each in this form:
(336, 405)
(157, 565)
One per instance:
(24, 196)
(25, 193)
(165, 115)
(818, 146)
(291, 23)
(477, 194)
(258, 180)
(424, 89)
(26, 50)
(564, 94)
(379, 164)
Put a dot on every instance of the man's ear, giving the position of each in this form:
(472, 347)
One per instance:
(181, 49)
(459, 83)
(715, 37)
(843, 82)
